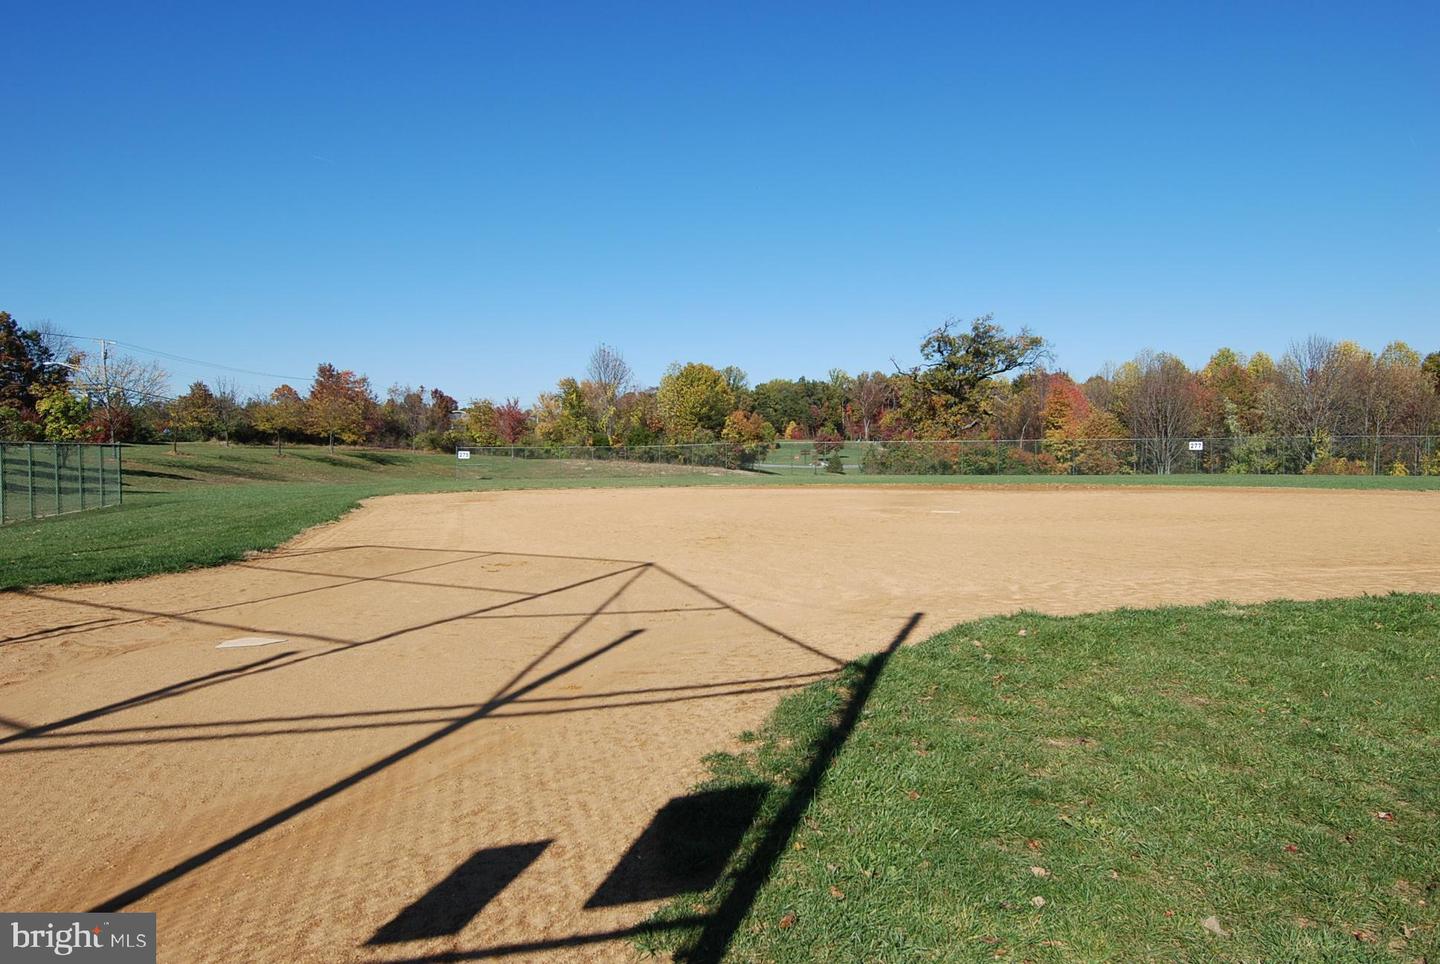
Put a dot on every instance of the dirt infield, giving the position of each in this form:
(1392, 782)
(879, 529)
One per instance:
(481, 702)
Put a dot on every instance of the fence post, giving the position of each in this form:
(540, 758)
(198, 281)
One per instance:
(80, 451)
(55, 464)
(119, 478)
(2, 481)
(30, 474)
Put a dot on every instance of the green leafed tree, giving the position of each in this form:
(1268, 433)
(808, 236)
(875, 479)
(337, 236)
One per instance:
(64, 415)
(958, 369)
(1431, 369)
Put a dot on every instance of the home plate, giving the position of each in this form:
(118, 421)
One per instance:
(250, 641)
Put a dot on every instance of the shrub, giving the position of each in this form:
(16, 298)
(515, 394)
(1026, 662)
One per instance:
(1021, 462)
(1334, 465)
(827, 442)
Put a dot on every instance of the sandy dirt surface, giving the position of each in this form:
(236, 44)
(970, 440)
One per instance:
(481, 701)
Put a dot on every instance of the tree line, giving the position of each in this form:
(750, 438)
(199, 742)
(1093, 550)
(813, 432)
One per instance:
(975, 381)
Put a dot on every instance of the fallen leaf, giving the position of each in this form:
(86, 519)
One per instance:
(1290, 848)
(1114, 875)
(788, 921)
(1023, 632)
(1034, 844)
(1039, 871)
(1212, 924)
(836, 892)
(1037, 901)
(913, 794)
(1384, 815)
(1169, 913)
(1364, 937)
(799, 845)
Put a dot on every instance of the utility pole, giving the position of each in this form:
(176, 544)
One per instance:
(105, 381)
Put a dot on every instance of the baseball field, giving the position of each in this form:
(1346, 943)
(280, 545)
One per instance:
(542, 724)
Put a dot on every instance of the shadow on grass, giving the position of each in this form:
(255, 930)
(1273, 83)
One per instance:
(151, 474)
(380, 458)
(337, 461)
(710, 939)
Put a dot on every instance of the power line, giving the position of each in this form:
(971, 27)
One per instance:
(182, 358)
(196, 361)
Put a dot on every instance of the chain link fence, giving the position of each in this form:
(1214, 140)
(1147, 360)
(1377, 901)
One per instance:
(1177, 455)
(40, 479)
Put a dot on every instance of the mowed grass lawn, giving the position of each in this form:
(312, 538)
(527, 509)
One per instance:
(211, 504)
(1211, 783)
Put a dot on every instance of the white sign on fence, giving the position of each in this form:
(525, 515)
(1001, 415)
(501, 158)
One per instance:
(1197, 446)
(462, 454)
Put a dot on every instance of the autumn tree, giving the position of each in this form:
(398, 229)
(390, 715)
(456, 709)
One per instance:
(608, 379)
(1404, 403)
(751, 435)
(192, 413)
(512, 421)
(747, 428)
(1232, 397)
(480, 427)
(694, 400)
(283, 412)
(1066, 409)
(27, 369)
(563, 417)
(338, 405)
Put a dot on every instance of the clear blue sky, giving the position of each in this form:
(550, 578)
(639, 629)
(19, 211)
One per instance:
(471, 195)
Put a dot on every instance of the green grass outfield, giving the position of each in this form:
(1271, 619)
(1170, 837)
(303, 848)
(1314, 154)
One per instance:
(1098, 788)
(211, 504)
